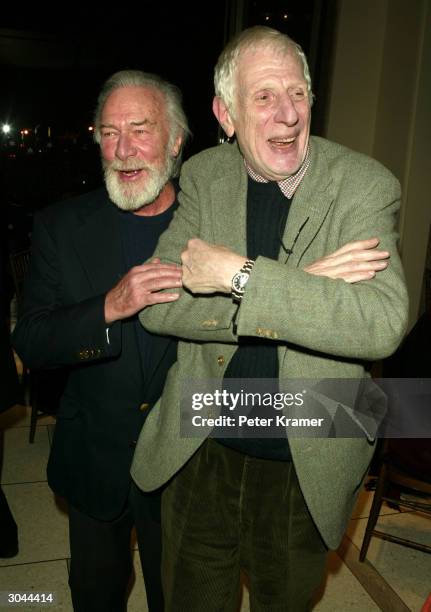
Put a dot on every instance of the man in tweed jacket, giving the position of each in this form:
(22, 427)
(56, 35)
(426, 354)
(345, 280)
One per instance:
(261, 300)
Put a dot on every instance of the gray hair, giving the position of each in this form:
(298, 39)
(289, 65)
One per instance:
(178, 125)
(250, 39)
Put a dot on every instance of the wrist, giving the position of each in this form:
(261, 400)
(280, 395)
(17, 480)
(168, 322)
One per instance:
(240, 280)
(226, 271)
(109, 311)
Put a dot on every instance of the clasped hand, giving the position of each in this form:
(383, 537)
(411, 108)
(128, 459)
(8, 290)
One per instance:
(355, 261)
(209, 268)
(141, 287)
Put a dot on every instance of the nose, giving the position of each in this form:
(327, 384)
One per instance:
(125, 147)
(286, 111)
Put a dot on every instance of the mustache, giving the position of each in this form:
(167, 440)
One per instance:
(131, 164)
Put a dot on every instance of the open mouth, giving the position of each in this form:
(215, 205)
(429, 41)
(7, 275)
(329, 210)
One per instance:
(281, 142)
(127, 175)
(129, 172)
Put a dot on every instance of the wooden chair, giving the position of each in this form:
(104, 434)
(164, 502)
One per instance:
(405, 463)
(42, 388)
(19, 264)
(406, 469)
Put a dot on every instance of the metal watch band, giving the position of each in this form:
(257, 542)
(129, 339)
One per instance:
(240, 279)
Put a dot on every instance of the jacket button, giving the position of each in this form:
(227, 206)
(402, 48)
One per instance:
(133, 443)
(143, 407)
(209, 323)
(220, 360)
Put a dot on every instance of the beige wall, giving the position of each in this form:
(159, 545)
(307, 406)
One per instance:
(380, 104)
(355, 86)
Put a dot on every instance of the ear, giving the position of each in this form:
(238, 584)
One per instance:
(222, 114)
(177, 145)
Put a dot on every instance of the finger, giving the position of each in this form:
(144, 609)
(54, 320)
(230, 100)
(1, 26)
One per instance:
(162, 298)
(366, 255)
(370, 243)
(352, 257)
(149, 275)
(358, 266)
(139, 285)
(154, 266)
(370, 255)
(161, 266)
(156, 260)
(342, 270)
(159, 284)
(196, 243)
(185, 261)
(356, 277)
(185, 256)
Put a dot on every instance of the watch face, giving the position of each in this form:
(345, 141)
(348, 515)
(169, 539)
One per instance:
(239, 280)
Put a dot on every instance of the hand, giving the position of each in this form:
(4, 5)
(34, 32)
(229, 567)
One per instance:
(209, 268)
(354, 262)
(140, 287)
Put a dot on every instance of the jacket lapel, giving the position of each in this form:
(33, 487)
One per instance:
(98, 245)
(309, 208)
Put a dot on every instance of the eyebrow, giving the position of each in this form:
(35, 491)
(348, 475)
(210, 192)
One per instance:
(269, 84)
(144, 122)
(134, 123)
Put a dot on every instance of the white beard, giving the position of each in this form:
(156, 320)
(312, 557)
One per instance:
(134, 195)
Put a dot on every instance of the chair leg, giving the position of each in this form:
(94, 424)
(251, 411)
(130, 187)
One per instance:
(374, 513)
(33, 422)
(25, 385)
(33, 403)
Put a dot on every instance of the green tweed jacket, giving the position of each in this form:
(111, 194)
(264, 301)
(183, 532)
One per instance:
(327, 328)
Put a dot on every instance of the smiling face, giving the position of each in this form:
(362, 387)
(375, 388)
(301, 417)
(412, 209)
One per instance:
(272, 112)
(134, 140)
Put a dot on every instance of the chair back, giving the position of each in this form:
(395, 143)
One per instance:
(19, 265)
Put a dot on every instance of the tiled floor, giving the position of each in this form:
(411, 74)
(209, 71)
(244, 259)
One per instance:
(393, 578)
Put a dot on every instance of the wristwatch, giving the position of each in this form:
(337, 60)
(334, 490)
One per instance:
(240, 279)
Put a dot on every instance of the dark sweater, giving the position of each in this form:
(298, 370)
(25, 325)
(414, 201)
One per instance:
(139, 237)
(256, 358)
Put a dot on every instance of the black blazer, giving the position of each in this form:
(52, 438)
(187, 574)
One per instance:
(76, 258)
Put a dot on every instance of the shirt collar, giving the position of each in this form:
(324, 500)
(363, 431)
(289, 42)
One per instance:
(288, 185)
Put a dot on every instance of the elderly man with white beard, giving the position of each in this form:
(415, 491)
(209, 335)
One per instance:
(85, 286)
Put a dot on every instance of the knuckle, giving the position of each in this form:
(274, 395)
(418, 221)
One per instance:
(132, 283)
(194, 243)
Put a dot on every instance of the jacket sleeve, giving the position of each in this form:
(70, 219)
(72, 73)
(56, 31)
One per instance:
(207, 318)
(53, 330)
(363, 320)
